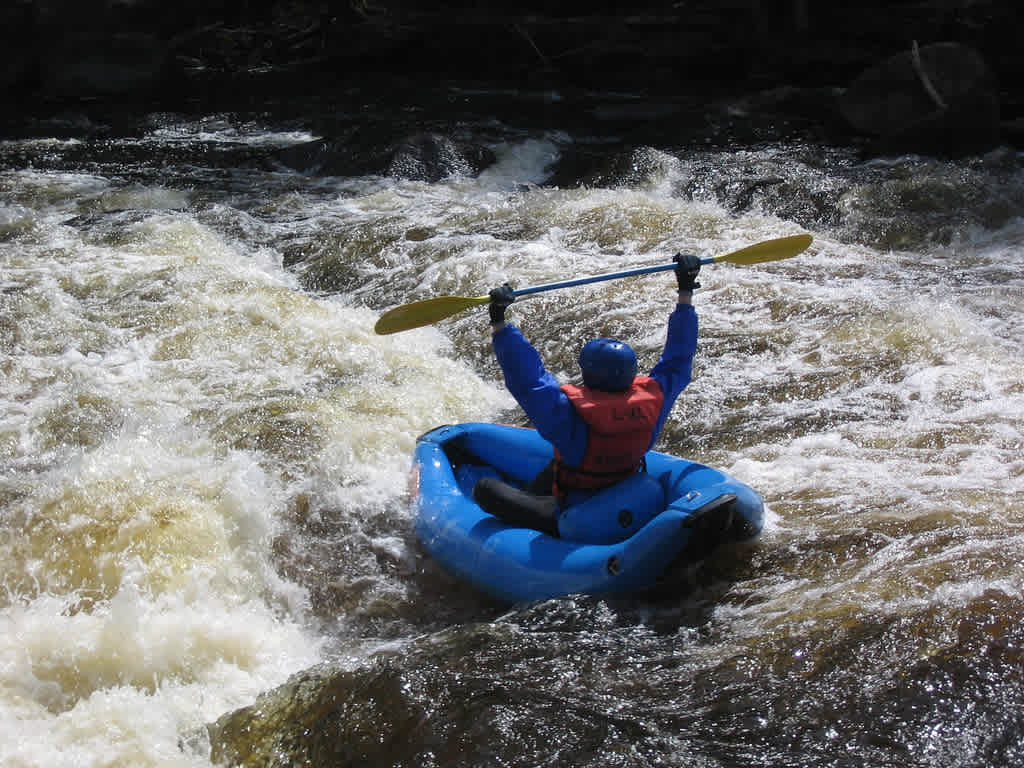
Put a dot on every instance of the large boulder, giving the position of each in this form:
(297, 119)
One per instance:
(939, 99)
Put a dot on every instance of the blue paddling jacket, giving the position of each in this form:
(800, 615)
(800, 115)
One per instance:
(548, 407)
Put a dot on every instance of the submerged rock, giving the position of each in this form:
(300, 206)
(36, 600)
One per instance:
(428, 157)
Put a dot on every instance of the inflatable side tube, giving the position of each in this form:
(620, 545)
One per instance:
(614, 514)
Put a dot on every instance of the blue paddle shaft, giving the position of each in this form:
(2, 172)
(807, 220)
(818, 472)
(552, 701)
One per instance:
(599, 278)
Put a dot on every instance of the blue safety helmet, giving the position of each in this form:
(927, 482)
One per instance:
(608, 365)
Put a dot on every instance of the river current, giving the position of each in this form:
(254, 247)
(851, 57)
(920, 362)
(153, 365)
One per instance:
(204, 451)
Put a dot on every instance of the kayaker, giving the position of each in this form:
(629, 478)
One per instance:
(601, 430)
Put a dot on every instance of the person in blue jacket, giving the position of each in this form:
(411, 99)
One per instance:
(600, 430)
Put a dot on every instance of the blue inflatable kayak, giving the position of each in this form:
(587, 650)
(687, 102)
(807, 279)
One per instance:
(624, 539)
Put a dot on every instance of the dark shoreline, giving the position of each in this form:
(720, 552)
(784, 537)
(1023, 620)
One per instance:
(309, 60)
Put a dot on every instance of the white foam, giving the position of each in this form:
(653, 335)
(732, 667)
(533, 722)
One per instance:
(155, 357)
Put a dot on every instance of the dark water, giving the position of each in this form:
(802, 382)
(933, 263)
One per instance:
(206, 533)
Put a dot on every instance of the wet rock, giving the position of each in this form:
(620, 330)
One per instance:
(431, 157)
(634, 168)
(428, 157)
(320, 718)
(938, 99)
(313, 157)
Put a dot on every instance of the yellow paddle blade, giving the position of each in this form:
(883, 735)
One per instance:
(769, 250)
(425, 312)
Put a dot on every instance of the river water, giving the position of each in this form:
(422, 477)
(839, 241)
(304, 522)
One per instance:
(204, 453)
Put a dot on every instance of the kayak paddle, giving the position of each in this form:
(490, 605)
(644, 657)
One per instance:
(430, 311)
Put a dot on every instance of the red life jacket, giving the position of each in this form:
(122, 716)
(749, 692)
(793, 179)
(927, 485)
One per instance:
(621, 427)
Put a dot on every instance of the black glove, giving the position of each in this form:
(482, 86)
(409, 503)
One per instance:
(500, 299)
(687, 269)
